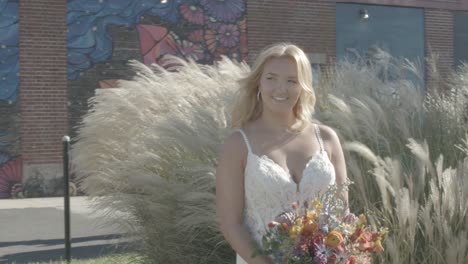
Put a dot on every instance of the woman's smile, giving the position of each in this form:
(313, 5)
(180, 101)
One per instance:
(280, 99)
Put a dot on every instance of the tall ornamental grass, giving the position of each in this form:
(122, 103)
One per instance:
(149, 149)
(405, 151)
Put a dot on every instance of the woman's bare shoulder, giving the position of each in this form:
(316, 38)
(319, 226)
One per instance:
(327, 133)
(234, 145)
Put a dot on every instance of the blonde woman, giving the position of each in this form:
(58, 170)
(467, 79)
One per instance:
(276, 155)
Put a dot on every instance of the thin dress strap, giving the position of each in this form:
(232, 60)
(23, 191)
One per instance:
(245, 139)
(319, 138)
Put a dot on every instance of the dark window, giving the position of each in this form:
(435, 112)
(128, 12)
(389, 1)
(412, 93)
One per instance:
(461, 38)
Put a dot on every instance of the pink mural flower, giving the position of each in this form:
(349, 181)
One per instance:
(150, 37)
(156, 41)
(10, 174)
(196, 36)
(229, 35)
(224, 10)
(192, 13)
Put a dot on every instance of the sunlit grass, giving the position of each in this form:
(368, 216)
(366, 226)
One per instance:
(149, 149)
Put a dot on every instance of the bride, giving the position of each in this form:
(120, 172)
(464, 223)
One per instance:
(276, 155)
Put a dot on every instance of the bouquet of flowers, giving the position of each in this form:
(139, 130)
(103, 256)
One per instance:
(320, 231)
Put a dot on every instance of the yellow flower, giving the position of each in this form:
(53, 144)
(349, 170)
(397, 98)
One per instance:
(317, 205)
(333, 239)
(362, 219)
(295, 231)
(383, 231)
(378, 245)
(310, 215)
(298, 222)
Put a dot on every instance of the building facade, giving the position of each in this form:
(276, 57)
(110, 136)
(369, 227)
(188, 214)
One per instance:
(54, 54)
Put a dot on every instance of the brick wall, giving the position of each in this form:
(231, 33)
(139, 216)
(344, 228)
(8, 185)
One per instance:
(309, 24)
(439, 42)
(125, 44)
(43, 93)
(43, 54)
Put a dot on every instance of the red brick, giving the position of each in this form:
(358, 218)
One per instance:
(43, 83)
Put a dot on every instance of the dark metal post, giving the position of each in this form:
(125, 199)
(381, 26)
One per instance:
(66, 146)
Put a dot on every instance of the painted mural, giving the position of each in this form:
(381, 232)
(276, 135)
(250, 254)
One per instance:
(10, 160)
(103, 35)
(202, 30)
(9, 59)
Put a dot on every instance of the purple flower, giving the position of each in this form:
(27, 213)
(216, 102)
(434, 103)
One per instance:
(212, 23)
(229, 35)
(350, 218)
(224, 10)
(321, 253)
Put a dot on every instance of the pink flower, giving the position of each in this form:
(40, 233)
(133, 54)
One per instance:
(192, 13)
(196, 36)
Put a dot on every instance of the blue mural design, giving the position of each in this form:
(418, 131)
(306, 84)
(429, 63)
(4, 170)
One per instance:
(9, 58)
(88, 41)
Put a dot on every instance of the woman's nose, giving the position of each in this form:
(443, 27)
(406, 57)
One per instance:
(282, 86)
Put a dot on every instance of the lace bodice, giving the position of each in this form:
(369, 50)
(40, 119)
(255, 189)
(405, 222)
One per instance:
(270, 190)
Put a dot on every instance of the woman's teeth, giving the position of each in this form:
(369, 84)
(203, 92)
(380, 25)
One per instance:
(280, 98)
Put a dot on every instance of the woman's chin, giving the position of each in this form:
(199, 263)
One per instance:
(280, 110)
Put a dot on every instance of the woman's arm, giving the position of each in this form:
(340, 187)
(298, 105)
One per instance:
(333, 146)
(230, 198)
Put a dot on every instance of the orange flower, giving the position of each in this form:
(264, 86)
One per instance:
(333, 239)
(309, 228)
(356, 234)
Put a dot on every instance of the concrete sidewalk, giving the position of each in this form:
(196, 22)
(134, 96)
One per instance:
(49, 202)
(33, 230)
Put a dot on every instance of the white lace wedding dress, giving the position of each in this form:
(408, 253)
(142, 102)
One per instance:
(270, 190)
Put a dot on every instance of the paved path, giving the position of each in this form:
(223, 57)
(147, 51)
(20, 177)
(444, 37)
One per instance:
(33, 230)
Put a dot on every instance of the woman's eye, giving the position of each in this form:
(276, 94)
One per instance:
(269, 78)
(292, 81)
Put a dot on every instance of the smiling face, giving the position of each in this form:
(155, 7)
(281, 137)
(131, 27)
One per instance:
(279, 86)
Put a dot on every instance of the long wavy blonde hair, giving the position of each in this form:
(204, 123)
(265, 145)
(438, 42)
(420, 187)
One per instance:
(248, 108)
